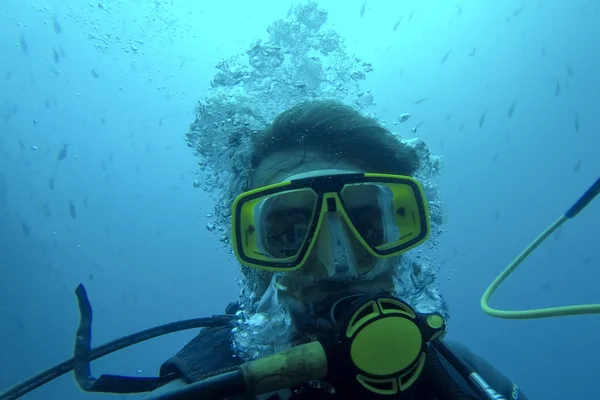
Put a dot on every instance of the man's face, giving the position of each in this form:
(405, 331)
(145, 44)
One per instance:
(324, 230)
(337, 258)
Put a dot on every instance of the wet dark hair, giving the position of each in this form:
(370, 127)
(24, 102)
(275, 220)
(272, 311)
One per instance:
(339, 131)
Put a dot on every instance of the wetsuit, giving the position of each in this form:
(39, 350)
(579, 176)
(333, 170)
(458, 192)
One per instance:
(211, 352)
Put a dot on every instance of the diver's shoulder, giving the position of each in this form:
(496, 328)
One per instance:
(209, 351)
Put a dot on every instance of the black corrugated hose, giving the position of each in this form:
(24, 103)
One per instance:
(444, 385)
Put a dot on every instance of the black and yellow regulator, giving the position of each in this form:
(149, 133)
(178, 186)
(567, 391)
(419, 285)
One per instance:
(381, 344)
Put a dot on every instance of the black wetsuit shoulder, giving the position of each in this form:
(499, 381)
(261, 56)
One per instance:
(207, 354)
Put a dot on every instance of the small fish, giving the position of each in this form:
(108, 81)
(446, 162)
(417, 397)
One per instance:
(137, 169)
(95, 74)
(495, 158)
(85, 202)
(22, 145)
(445, 56)
(72, 210)
(518, 11)
(8, 75)
(482, 119)
(411, 15)
(51, 183)
(458, 9)
(62, 154)
(570, 71)
(577, 167)
(461, 127)
(576, 122)
(497, 214)
(102, 121)
(403, 117)
(62, 51)
(421, 100)
(511, 109)
(472, 53)
(23, 44)
(46, 210)
(91, 277)
(557, 88)
(56, 55)
(57, 27)
(397, 24)
(46, 104)
(362, 9)
(543, 51)
(290, 10)
(25, 228)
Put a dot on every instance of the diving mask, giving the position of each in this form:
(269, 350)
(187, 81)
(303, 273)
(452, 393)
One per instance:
(347, 221)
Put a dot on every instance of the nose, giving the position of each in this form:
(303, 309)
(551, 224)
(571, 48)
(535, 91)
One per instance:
(335, 247)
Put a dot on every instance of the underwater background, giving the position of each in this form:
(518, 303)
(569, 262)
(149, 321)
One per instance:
(98, 185)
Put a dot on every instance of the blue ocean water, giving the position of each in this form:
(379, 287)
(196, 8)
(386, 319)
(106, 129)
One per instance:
(97, 182)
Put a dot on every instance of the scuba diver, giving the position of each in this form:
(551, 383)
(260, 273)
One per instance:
(329, 208)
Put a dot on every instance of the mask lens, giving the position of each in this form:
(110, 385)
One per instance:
(368, 222)
(285, 220)
(380, 212)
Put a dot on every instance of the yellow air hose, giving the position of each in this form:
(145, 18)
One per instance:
(564, 311)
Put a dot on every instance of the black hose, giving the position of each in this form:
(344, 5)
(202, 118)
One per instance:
(92, 354)
(441, 381)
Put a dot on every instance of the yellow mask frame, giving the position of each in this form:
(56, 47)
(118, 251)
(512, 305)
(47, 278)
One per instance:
(328, 193)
